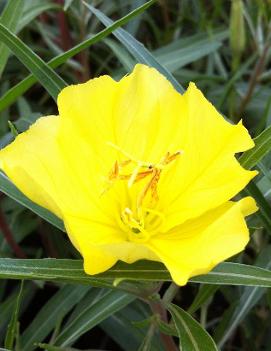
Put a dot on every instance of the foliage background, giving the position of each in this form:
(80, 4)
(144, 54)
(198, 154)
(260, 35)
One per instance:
(223, 46)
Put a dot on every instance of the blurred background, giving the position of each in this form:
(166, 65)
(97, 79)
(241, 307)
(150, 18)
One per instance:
(221, 45)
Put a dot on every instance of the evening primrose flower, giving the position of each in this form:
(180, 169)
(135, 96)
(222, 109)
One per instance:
(137, 171)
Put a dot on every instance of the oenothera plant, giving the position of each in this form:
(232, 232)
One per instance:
(142, 179)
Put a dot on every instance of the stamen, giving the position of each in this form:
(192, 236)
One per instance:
(153, 171)
(134, 175)
(130, 157)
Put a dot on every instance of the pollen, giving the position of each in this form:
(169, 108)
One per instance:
(141, 170)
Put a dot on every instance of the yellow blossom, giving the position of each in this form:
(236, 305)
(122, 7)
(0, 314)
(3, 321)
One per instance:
(137, 171)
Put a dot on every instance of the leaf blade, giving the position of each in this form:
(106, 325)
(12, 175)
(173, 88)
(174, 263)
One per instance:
(10, 18)
(106, 306)
(51, 81)
(12, 327)
(262, 146)
(192, 336)
(57, 307)
(72, 271)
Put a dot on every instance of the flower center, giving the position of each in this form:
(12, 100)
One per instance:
(136, 222)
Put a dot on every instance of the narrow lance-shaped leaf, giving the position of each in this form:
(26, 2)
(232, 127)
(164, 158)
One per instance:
(33, 9)
(45, 75)
(46, 319)
(248, 299)
(12, 327)
(192, 336)
(72, 271)
(262, 146)
(265, 209)
(250, 159)
(204, 294)
(10, 18)
(107, 305)
(138, 50)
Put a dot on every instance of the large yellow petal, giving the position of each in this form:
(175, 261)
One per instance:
(144, 117)
(31, 162)
(196, 246)
(102, 246)
(137, 115)
(37, 165)
(207, 173)
(140, 114)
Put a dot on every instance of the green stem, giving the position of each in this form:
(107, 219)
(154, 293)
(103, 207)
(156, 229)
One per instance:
(170, 293)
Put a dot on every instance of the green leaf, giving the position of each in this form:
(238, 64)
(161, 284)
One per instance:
(54, 310)
(67, 4)
(204, 294)
(248, 299)
(123, 327)
(192, 336)
(49, 347)
(262, 146)
(13, 129)
(33, 9)
(106, 306)
(121, 53)
(10, 190)
(44, 74)
(190, 51)
(264, 207)
(166, 328)
(12, 327)
(7, 306)
(147, 342)
(10, 18)
(72, 271)
(138, 50)
(11, 96)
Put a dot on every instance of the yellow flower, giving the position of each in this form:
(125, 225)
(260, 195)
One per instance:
(137, 171)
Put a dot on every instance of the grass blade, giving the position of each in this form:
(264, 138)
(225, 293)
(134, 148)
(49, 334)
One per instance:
(44, 74)
(54, 310)
(106, 306)
(138, 50)
(33, 9)
(71, 271)
(204, 294)
(12, 327)
(10, 18)
(262, 146)
(176, 59)
(265, 209)
(192, 336)
(248, 299)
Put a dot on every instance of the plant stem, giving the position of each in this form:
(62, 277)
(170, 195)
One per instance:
(170, 293)
(259, 67)
(66, 40)
(158, 308)
(8, 235)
